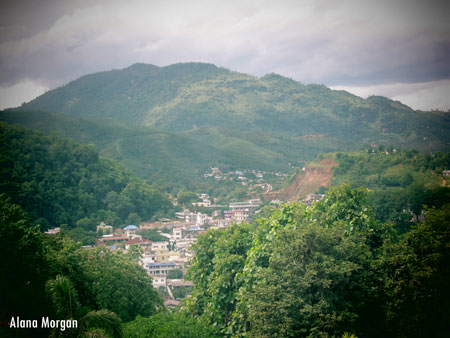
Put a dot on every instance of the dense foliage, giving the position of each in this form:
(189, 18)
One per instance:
(169, 325)
(22, 264)
(59, 182)
(401, 182)
(235, 120)
(322, 271)
(168, 161)
(418, 275)
(190, 95)
(372, 258)
(54, 276)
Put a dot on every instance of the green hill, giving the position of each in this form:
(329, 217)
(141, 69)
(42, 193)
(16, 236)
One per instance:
(58, 181)
(166, 159)
(171, 124)
(186, 96)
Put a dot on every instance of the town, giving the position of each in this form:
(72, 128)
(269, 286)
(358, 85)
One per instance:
(167, 259)
(164, 246)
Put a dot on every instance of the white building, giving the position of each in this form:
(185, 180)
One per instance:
(163, 245)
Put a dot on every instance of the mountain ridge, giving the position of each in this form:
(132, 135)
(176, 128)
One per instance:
(192, 116)
(185, 96)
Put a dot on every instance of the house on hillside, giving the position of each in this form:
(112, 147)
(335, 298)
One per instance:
(160, 268)
(131, 230)
(145, 244)
(161, 245)
(159, 280)
(104, 229)
(109, 239)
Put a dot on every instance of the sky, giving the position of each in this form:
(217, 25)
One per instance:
(395, 48)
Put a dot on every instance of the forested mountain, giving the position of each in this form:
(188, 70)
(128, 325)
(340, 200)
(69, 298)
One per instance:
(191, 95)
(57, 181)
(166, 159)
(370, 258)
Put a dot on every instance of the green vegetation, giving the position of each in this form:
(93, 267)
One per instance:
(153, 235)
(192, 95)
(59, 182)
(371, 259)
(175, 274)
(53, 276)
(168, 161)
(219, 118)
(169, 325)
(323, 271)
(401, 182)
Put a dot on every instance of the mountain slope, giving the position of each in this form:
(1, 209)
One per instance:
(314, 176)
(58, 181)
(183, 97)
(158, 156)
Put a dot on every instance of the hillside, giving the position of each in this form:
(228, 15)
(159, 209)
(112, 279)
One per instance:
(401, 183)
(168, 160)
(183, 97)
(58, 182)
(308, 181)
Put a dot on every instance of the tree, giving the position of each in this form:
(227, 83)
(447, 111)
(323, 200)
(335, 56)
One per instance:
(120, 284)
(107, 323)
(315, 285)
(301, 271)
(418, 276)
(22, 267)
(102, 279)
(175, 274)
(153, 235)
(219, 259)
(169, 325)
(187, 197)
(63, 297)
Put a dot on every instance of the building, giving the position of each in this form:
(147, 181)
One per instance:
(53, 231)
(105, 229)
(192, 218)
(131, 230)
(220, 223)
(110, 239)
(159, 280)
(161, 224)
(160, 268)
(163, 245)
(237, 215)
(143, 243)
(254, 203)
(205, 203)
(177, 234)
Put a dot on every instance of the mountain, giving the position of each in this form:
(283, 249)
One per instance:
(165, 159)
(57, 181)
(186, 96)
(171, 124)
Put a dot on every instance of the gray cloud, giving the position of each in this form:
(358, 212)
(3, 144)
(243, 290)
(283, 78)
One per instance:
(352, 43)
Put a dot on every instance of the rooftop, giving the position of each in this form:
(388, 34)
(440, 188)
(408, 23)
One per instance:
(131, 227)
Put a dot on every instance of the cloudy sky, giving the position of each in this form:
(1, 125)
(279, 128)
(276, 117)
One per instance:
(395, 48)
